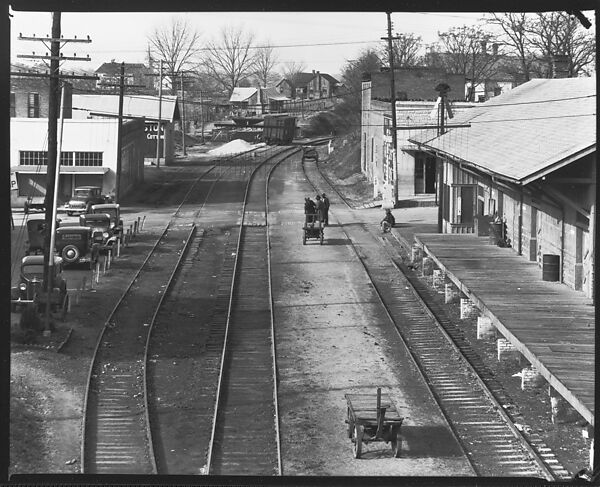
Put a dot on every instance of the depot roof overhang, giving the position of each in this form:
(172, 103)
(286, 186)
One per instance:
(517, 181)
(63, 170)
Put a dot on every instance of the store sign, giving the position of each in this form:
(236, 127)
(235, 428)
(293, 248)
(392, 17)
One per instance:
(13, 181)
(151, 128)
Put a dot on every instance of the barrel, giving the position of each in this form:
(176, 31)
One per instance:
(550, 267)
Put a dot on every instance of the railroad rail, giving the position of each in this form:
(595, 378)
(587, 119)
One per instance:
(245, 436)
(116, 430)
(491, 442)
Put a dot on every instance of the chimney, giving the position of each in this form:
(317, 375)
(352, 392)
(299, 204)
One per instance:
(560, 66)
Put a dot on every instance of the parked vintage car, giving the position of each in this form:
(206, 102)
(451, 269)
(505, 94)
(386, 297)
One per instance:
(36, 232)
(114, 211)
(75, 245)
(102, 232)
(84, 197)
(29, 291)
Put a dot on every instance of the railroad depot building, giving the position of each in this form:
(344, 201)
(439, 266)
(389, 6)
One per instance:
(88, 154)
(526, 160)
(148, 107)
(415, 172)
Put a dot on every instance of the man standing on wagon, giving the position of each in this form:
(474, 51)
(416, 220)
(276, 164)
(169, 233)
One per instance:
(325, 216)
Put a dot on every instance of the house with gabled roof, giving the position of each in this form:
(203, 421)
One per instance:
(526, 159)
(109, 75)
(308, 86)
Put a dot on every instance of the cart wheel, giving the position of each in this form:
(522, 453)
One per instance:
(350, 424)
(396, 442)
(357, 437)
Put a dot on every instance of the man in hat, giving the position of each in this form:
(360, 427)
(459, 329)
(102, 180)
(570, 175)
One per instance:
(325, 216)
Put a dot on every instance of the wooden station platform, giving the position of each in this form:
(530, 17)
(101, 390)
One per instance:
(552, 325)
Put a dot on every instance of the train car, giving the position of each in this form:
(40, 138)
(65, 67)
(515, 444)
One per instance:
(279, 129)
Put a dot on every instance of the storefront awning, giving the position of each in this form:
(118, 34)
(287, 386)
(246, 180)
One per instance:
(63, 169)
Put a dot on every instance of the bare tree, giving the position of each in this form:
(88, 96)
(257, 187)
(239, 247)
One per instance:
(292, 69)
(177, 44)
(266, 60)
(514, 27)
(535, 38)
(405, 48)
(553, 33)
(353, 72)
(231, 59)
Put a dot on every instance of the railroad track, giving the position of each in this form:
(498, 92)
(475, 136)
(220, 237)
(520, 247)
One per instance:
(245, 437)
(116, 430)
(491, 442)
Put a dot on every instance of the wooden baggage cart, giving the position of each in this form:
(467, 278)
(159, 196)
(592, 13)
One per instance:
(312, 228)
(373, 417)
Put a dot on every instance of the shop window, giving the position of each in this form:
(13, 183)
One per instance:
(33, 105)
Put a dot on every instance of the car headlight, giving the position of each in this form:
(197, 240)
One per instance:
(23, 286)
(105, 234)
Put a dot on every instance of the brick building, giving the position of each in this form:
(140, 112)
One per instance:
(412, 172)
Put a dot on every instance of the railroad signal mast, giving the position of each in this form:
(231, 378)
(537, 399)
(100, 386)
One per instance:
(54, 43)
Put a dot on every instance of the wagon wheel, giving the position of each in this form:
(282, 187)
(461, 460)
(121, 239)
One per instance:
(396, 442)
(350, 424)
(357, 437)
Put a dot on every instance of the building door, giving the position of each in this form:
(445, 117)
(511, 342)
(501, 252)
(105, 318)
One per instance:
(430, 175)
(467, 203)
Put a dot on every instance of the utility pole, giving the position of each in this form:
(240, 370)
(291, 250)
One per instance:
(119, 135)
(53, 158)
(160, 75)
(389, 38)
(202, 116)
(443, 90)
(182, 115)
(121, 87)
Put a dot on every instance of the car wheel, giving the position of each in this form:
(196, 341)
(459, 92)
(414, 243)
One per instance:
(70, 254)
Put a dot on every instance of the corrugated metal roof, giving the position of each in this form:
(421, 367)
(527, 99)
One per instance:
(242, 94)
(524, 133)
(133, 106)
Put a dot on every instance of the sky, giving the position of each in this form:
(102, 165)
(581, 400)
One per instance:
(323, 41)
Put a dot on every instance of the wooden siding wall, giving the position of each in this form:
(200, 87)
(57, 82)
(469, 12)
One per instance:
(455, 177)
(545, 228)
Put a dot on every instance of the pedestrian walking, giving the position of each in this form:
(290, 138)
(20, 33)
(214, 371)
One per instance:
(325, 219)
